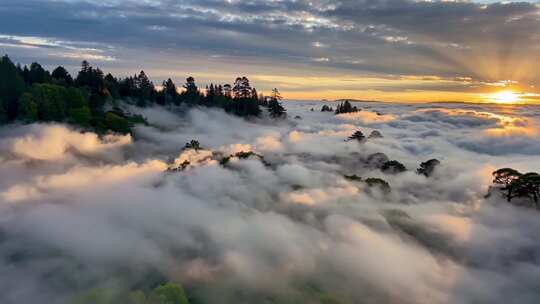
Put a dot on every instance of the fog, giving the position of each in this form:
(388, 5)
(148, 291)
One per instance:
(284, 225)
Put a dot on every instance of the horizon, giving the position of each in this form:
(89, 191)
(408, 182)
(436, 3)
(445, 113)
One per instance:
(396, 51)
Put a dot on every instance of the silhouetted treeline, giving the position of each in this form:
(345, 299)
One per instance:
(91, 99)
(345, 107)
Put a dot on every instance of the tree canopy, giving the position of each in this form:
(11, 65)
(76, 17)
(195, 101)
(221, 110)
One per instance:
(346, 107)
(513, 184)
(31, 94)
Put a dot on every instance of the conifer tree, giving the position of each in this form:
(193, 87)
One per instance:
(274, 106)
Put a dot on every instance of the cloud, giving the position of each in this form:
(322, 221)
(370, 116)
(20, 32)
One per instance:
(77, 209)
(448, 39)
(56, 141)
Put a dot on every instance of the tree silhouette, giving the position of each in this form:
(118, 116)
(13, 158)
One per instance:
(506, 178)
(393, 167)
(274, 106)
(358, 136)
(345, 107)
(61, 75)
(427, 168)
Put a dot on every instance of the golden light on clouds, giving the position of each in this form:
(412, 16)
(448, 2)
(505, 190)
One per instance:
(506, 97)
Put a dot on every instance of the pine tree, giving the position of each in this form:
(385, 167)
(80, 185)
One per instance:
(274, 106)
(61, 75)
(37, 74)
(191, 94)
(145, 88)
(170, 92)
(11, 87)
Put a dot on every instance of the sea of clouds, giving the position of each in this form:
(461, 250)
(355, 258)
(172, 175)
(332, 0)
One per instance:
(78, 211)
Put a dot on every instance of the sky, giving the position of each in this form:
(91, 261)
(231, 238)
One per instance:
(391, 50)
(82, 213)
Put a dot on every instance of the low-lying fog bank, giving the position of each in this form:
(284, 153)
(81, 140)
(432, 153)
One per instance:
(293, 222)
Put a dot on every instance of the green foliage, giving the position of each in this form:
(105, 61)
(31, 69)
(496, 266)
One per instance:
(137, 119)
(393, 166)
(169, 294)
(327, 298)
(380, 183)
(51, 101)
(81, 101)
(116, 123)
(80, 116)
(137, 297)
(97, 296)
(28, 108)
(353, 177)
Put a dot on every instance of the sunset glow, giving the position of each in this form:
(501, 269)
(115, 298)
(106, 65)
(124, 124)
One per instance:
(506, 97)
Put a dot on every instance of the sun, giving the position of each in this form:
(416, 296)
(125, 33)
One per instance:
(505, 97)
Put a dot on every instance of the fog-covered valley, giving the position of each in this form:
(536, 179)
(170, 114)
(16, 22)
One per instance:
(87, 218)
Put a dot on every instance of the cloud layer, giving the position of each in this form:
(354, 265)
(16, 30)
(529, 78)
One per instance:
(105, 213)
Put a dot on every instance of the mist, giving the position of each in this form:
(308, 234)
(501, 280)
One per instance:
(80, 211)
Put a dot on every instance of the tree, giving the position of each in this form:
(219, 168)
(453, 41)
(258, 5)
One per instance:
(51, 101)
(11, 87)
(393, 167)
(37, 74)
(3, 113)
(262, 100)
(506, 178)
(193, 144)
(427, 168)
(116, 123)
(375, 134)
(191, 95)
(376, 160)
(274, 106)
(517, 185)
(145, 89)
(169, 294)
(62, 77)
(170, 91)
(241, 88)
(528, 185)
(28, 108)
(227, 90)
(112, 85)
(326, 108)
(346, 107)
(358, 136)
(380, 183)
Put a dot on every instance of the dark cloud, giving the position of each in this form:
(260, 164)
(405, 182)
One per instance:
(383, 37)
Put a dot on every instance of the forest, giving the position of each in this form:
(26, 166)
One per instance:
(92, 100)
